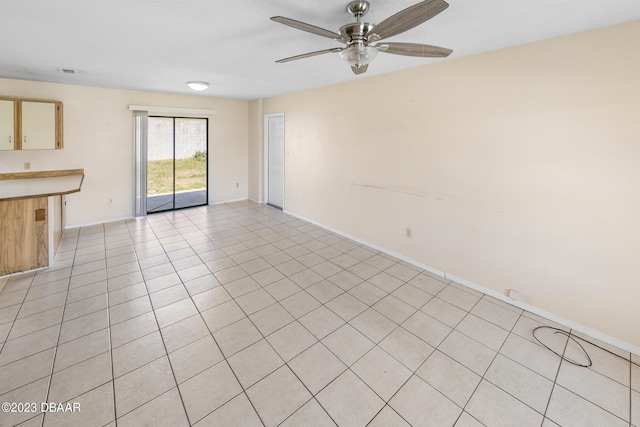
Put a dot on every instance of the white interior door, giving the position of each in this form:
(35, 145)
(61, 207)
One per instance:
(275, 160)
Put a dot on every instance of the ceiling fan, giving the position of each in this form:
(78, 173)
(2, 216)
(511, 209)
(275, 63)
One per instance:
(362, 39)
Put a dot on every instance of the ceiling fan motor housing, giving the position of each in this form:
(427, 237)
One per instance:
(356, 31)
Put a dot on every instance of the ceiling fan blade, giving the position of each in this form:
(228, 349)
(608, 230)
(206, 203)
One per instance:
(407, 19)
(415, 49)
(360, 70)
(307, 55)
(308, 28)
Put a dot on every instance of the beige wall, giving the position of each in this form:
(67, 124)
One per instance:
(98, 136)
(256, 129)
(515, 169)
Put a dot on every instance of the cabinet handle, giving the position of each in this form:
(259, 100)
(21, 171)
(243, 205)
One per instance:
(25, 140)
(10, 142)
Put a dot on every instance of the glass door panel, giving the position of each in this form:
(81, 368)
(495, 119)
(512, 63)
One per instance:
(160, 173)
(190, 162)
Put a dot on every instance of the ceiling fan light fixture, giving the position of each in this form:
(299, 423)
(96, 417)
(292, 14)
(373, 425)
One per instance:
(358, 55)
(198, 86)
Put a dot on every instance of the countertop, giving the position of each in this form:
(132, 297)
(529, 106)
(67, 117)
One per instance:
(25, 185)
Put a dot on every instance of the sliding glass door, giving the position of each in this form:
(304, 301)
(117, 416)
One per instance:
(177, 163)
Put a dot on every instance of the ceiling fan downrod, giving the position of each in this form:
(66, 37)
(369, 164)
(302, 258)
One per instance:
(358, 8)
(356, 32)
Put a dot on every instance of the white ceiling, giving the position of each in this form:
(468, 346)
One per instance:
(158, 45)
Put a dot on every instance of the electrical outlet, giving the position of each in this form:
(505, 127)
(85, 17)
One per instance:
(407, 232)
(514, 295)
(27, 166)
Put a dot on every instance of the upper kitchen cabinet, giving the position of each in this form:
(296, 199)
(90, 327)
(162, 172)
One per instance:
(41, 125)
(31, 124)
(8, 128)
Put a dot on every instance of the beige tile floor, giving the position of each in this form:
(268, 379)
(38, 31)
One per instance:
(240, 315)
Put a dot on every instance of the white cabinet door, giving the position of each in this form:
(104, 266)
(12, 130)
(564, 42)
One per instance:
(38, 125)
(7, 132)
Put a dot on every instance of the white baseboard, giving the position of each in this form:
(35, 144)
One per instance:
(411, 261)
(255, 201)
(550, 316)
(104, 221)
(530, 308)
(228, 201)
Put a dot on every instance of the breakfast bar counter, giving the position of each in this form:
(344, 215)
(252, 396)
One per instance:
(32, 216)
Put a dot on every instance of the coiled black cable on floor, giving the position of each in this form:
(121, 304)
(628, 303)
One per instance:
(571, 337)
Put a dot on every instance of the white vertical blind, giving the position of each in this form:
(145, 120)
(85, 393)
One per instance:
(140, 124)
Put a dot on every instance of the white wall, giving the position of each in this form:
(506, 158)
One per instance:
(98, 136)
(516, 169)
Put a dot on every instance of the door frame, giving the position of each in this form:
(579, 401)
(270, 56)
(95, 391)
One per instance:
(140, 124)
(266, 158)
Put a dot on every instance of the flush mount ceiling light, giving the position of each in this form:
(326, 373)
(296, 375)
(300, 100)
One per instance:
(198, 86)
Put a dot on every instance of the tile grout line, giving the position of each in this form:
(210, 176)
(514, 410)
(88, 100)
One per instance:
(166, 353)
(214, 340)
(15, 318)
(444, 339)
(348, 368)
(55, 352)
(63, 309)
(599, 374)
(376, 345)
(285, 363)
(113, 374)
(555, 380)
(244, 390)
(482, 377)
(347, 322)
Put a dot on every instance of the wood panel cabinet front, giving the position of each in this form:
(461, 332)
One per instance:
(25, 243)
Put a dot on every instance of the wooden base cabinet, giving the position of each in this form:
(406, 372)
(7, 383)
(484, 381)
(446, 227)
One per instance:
(25, 235)
(32, 217)
(31, 230)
